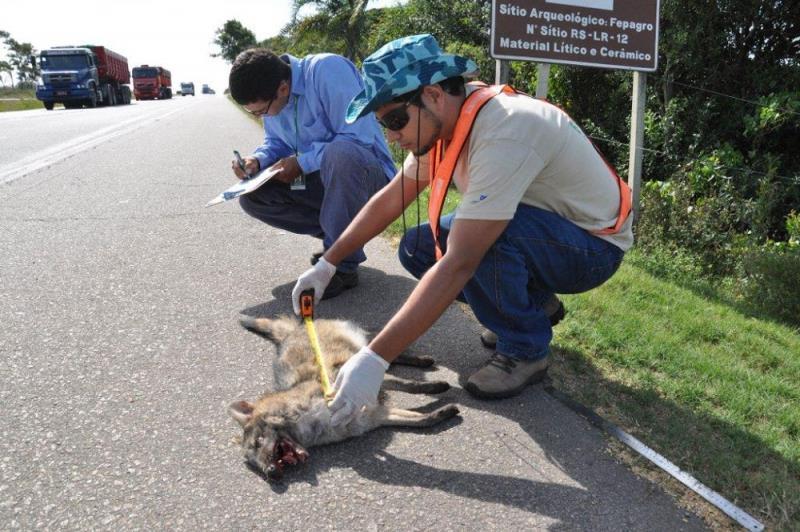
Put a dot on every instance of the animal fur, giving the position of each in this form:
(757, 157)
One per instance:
(282, 424)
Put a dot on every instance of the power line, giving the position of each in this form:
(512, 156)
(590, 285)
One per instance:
(793, 180)
(612, 141)
(717, 93)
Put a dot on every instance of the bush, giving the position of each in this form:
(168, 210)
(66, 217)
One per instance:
(669, 262)
(770, 279)
(793, 228)
(700, 211)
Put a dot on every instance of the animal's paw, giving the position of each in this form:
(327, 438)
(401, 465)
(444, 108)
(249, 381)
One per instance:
(419, 361)
(446, 412)
(437, 387)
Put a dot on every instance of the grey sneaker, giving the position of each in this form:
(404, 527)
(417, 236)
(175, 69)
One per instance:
(502, 376)
(555, 311)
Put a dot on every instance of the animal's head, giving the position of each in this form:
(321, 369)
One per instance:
(267, 446)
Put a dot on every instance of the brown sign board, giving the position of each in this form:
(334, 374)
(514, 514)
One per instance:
(618, 34)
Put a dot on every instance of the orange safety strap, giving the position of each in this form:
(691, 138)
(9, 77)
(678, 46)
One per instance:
(442, 165)
(625, 194)
(442, 168)
(625, 199)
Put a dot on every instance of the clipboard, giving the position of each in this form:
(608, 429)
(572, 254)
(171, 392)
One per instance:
(243, 187)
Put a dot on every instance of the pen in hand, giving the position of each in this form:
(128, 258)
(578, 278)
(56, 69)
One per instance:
(240, 162)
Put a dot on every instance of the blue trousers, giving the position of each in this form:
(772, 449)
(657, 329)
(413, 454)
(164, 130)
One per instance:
(349, 175)
(539, 254)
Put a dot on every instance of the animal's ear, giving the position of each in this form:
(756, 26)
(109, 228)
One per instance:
(241, 411)
(276, 330)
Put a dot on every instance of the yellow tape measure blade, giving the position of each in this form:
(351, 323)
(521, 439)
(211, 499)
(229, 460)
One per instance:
(323, 372)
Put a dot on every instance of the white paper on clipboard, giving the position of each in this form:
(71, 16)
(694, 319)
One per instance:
(244, 186)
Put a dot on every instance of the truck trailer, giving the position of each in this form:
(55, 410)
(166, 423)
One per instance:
(152, 82)
(80, 76)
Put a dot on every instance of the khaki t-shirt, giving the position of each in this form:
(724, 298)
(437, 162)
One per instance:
(525, 150)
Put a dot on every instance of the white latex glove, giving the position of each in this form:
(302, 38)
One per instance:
(317, 278)
(357, 385)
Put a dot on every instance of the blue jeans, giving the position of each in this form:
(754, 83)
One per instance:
(349, 175)
(539, 254)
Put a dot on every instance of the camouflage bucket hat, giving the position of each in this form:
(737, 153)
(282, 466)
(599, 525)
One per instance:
(402, 66)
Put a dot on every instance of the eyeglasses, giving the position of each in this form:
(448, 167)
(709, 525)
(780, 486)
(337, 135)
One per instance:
(260, 112)
(397, 118)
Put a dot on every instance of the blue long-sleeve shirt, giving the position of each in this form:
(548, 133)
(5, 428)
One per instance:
(322, 87)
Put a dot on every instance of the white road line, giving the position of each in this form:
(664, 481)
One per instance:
(59, 152)
(734, 512)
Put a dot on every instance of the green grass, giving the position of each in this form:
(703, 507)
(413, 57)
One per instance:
(714, 389)
(18, 99)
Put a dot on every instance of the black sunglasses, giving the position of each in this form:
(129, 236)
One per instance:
(397, 118)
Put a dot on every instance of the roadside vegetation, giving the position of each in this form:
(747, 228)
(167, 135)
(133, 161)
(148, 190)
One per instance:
(19, 95)
(712, 388)
(694, 346)
(18, 99)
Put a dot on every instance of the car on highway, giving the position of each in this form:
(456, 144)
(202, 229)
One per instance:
(187, 88)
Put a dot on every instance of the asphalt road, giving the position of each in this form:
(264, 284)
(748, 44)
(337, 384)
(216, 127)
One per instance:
(120, 346)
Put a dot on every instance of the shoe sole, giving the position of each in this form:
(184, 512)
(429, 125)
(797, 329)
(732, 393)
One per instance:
(533, 379)
(487, 344)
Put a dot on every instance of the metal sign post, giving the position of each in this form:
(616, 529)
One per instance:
(637, 139)
(542, 80)
(500, 72)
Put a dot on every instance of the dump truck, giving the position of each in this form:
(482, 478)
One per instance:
(79, 76)
(152, 82)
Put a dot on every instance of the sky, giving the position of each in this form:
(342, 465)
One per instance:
(175, 34)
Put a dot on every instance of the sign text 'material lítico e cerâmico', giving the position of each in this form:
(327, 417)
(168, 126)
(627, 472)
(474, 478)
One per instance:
(620, 34)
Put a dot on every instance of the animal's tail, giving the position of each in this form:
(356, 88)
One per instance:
(275, 330)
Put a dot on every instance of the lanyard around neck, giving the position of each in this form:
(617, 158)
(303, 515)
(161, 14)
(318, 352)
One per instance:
(296, 130)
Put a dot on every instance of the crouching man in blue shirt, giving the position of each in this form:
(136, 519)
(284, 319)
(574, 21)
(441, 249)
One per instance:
(328, 169)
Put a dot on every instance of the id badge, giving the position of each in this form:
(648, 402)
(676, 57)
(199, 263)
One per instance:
(298, 183)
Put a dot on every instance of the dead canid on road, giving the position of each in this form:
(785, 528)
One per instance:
(282, 424)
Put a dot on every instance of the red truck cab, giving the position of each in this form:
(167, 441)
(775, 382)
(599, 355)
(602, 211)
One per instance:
(152, 82)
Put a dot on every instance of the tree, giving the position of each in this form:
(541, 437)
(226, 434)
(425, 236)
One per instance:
(5, 68)
(344, 21)
(278, 44)
(19, 58)
(232, 39)
(451, 21)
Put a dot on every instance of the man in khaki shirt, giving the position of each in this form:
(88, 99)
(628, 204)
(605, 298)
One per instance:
(537, 204)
